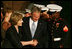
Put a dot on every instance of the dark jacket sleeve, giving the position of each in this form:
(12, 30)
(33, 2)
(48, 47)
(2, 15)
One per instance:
(44, 39)
(46, 36)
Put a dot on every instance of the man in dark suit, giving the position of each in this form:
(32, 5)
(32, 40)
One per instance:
(35, 29)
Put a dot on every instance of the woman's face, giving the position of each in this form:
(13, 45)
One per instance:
(20, 22)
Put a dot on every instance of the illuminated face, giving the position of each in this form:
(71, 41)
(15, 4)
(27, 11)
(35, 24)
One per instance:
(56, 15)
(20, 22)
(35, 16)
(28, 14)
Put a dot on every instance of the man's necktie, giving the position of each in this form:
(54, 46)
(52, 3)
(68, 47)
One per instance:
(33, 29)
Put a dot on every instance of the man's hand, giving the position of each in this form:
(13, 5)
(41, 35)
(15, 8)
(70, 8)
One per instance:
(35, 42)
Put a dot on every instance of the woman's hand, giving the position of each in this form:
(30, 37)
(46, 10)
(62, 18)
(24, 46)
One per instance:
(27, 42)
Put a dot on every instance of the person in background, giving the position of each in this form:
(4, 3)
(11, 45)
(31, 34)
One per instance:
(44, 14)
(5, 23)
(27, 13)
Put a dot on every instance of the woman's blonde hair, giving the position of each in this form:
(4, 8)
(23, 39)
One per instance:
(15, 17)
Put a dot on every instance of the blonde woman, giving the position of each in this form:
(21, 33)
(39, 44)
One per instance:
(13, 34)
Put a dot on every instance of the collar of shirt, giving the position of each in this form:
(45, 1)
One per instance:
(31, 21)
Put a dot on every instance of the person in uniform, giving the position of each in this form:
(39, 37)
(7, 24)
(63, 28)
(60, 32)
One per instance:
(56, 25)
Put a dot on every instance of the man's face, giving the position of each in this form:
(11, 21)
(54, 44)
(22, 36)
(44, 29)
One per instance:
(56, 15)
(45, 14)
(35, 16)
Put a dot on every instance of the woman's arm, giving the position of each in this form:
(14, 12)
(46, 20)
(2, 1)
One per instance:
(33, 42)
(27, 42)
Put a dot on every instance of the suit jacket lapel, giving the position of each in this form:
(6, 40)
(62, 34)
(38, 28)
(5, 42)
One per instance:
(28, 29)
(37, 29)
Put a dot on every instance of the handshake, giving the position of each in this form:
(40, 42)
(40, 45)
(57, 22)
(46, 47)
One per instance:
(33, 42)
